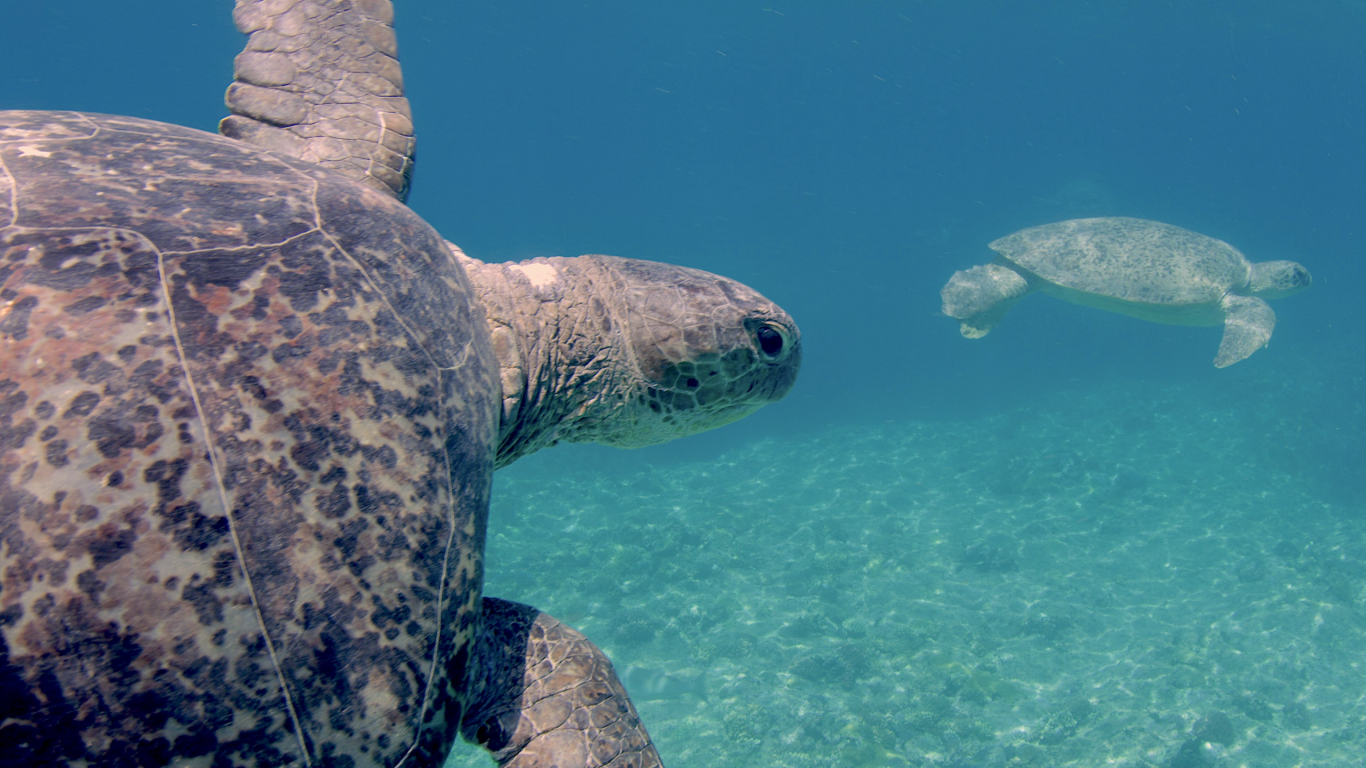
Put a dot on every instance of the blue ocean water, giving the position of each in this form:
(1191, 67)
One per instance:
(1069, 542)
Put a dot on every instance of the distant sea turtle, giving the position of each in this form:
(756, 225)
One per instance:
(250, 410)
(1143, 269)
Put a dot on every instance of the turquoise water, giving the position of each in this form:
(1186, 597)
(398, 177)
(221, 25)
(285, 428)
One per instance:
(1144, 575)
(1073, 542)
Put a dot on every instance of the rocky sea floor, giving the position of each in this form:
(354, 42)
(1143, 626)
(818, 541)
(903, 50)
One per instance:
(1140, 578)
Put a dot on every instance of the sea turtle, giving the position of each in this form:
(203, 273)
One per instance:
(1144, 269)
(250, 410)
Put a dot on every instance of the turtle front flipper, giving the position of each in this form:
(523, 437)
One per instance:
(320, 81)
(543, 695)
(1248, 322)
(981, 296)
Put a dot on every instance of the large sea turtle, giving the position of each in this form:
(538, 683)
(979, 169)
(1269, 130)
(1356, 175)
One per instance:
(250, 410)
(1144, 269)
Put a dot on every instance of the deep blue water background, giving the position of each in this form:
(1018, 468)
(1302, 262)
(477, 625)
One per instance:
(845, 159)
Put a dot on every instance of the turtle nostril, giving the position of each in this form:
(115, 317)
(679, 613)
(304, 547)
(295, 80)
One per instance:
(770, 341)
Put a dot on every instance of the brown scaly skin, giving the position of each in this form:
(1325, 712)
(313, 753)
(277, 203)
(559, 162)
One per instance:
(249, 414)
(566, 706)
(688, 356)
(320, 80)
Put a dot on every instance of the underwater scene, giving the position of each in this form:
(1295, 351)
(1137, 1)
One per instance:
(1135, 574)
(1073, 541)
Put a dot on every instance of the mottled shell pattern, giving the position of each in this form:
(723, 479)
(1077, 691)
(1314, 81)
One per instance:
(277, 376)
(1129, 259)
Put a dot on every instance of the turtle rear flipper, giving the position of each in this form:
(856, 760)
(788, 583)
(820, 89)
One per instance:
(1248, 322)
(546, 695)
(981, 296)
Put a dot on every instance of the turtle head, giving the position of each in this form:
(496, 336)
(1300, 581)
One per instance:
(1274, 279)
(704, 351)
(627, 353)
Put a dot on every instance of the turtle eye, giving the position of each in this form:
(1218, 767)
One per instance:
(770, 340)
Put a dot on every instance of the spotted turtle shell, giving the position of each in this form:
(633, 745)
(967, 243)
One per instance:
(246, 418)
(1134, 260)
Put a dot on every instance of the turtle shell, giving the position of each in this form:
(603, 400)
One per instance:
(247, 411)
(1131, 260)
